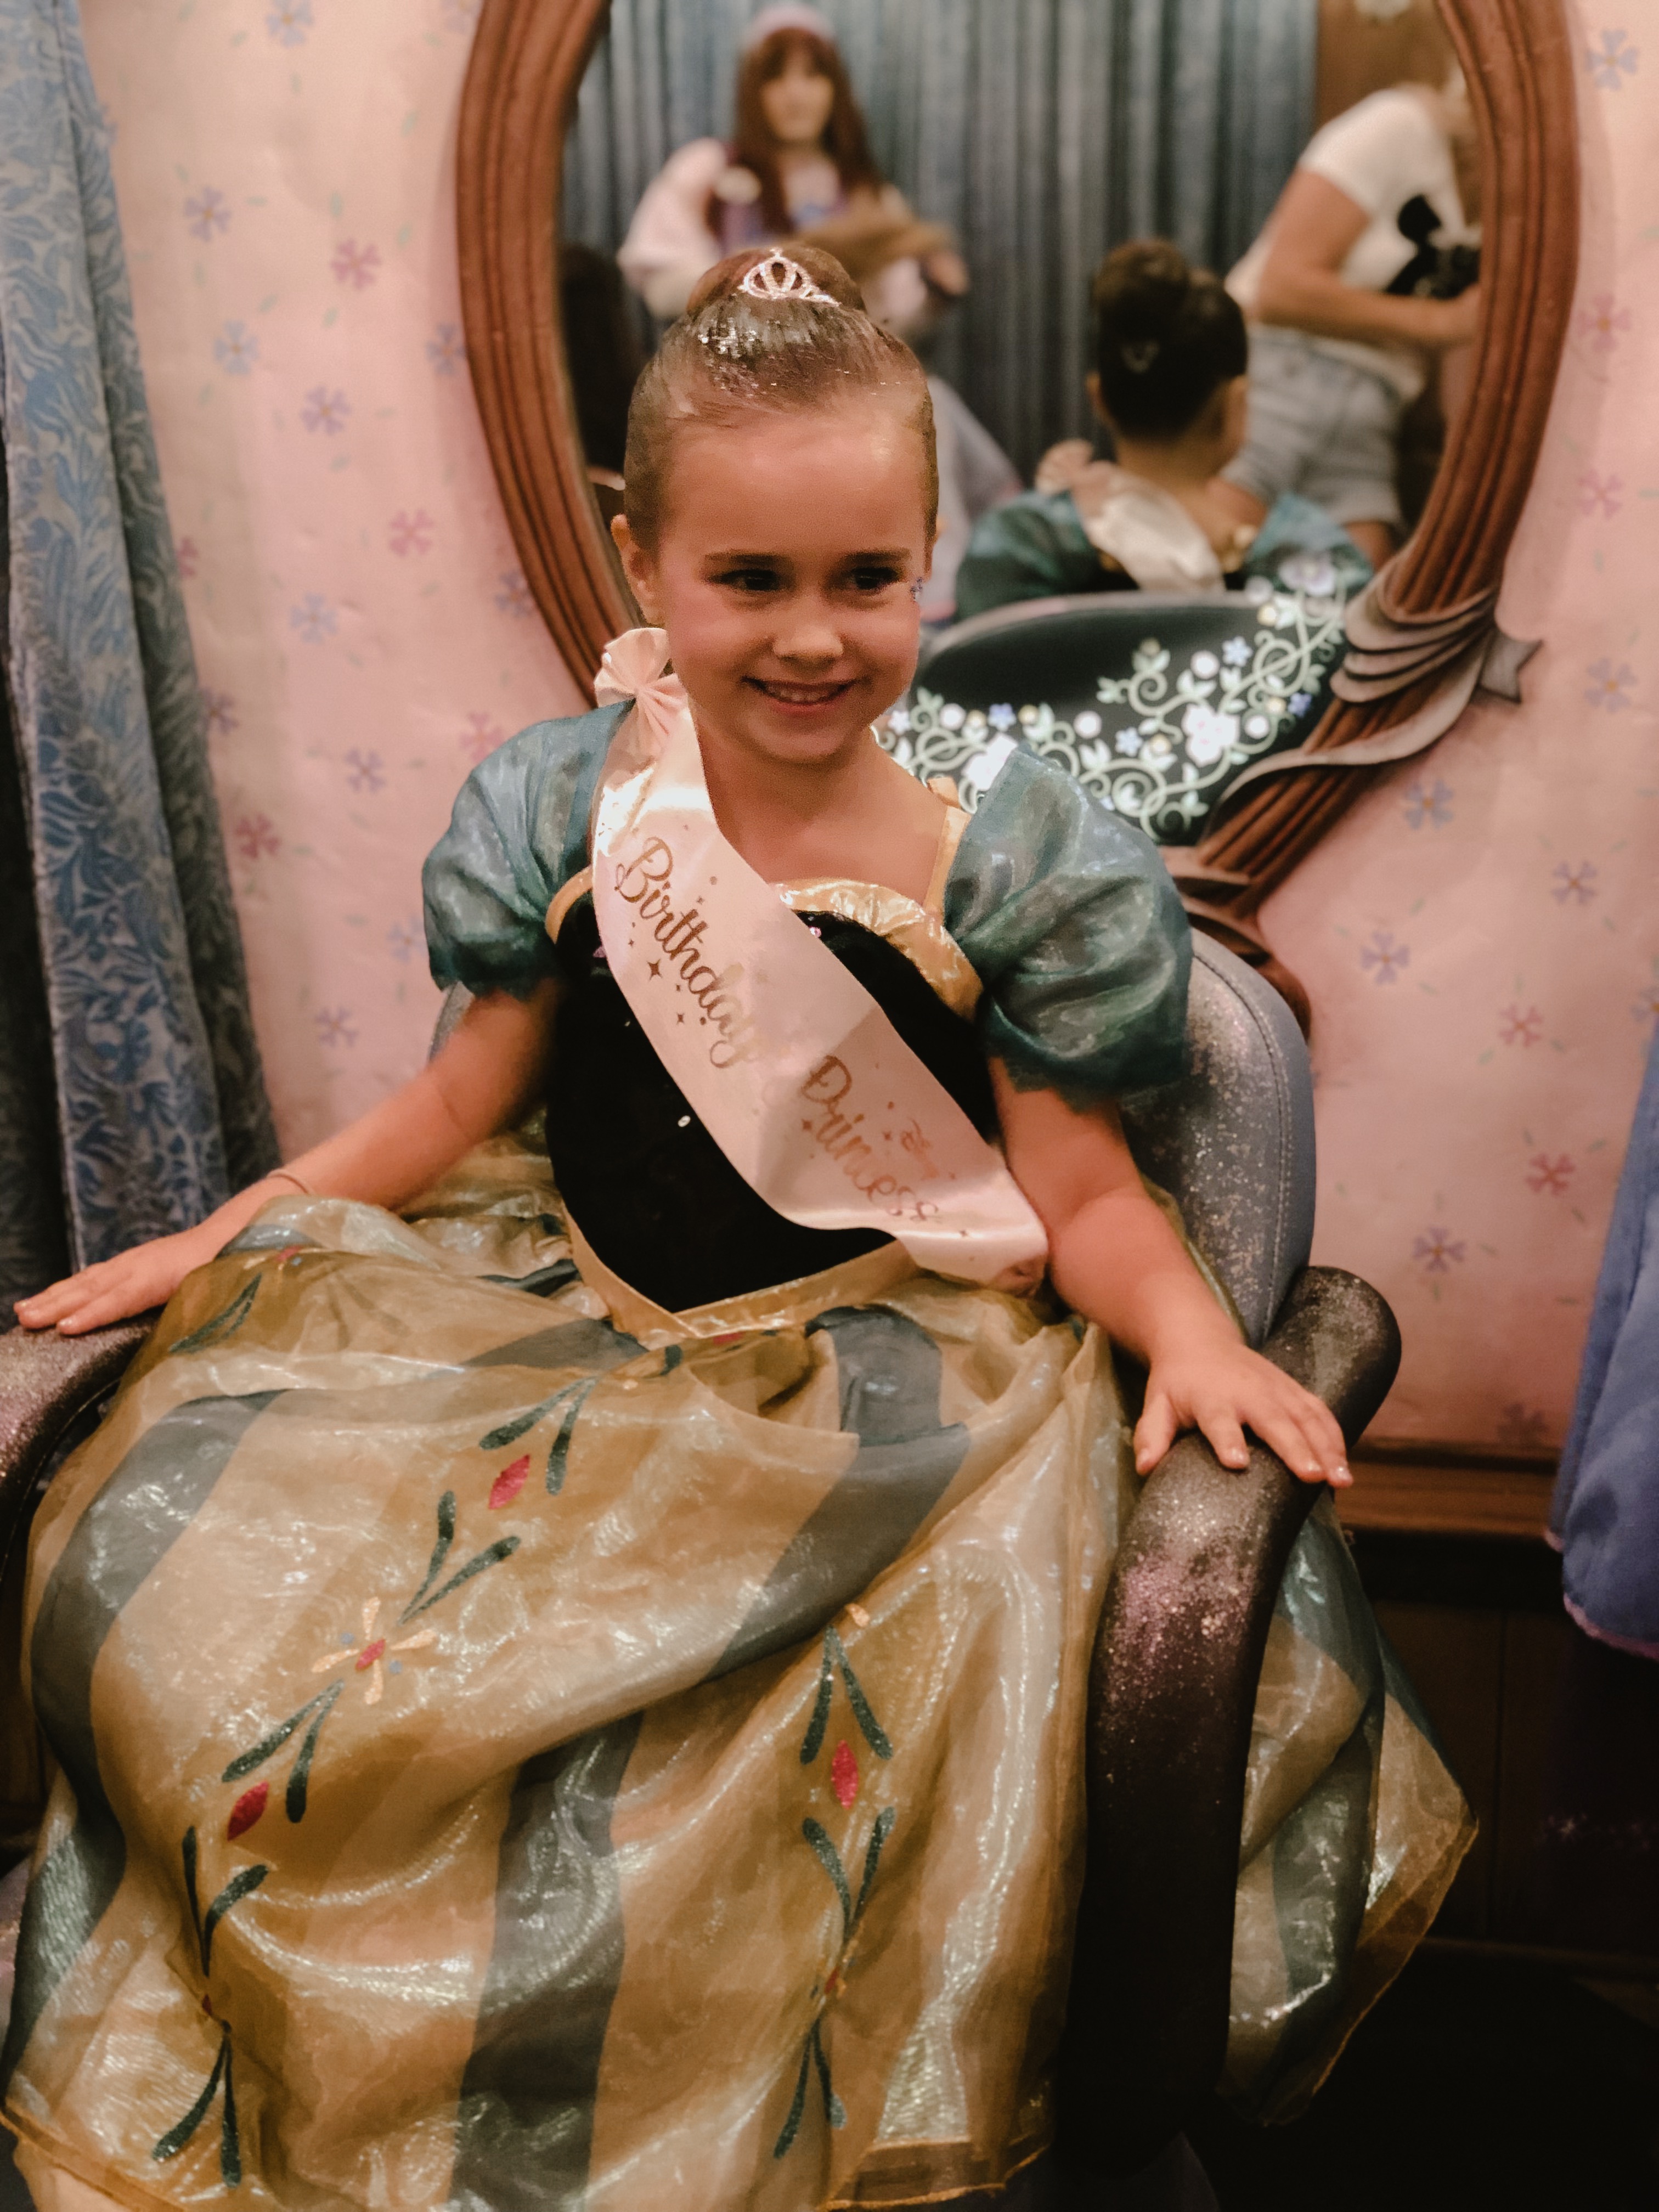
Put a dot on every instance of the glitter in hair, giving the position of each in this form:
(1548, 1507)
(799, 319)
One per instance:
(767, 332)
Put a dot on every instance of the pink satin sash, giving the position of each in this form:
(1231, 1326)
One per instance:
(792, 1067)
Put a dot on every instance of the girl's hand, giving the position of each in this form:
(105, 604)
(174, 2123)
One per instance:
(1221, 1386)
(133, 1283)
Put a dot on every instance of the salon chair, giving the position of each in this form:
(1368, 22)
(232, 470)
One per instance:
(1038, 669)
(1196, 1576)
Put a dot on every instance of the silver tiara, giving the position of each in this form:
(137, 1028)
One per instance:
(778, 277)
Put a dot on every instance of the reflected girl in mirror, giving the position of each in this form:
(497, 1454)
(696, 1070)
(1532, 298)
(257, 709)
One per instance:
(1169, 383)
(798, 166)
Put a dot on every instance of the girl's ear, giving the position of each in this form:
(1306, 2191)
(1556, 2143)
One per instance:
(639, 567)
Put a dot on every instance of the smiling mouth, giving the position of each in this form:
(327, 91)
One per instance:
(799, 694)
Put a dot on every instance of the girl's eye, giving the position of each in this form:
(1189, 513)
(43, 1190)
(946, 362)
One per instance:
(750, 579)
(876, 578)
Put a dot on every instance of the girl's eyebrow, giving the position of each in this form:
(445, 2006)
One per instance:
(785, 560)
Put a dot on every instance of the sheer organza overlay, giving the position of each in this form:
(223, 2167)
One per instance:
(502, 1751)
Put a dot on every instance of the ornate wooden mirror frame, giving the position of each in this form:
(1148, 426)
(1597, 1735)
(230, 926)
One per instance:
(1425, 635)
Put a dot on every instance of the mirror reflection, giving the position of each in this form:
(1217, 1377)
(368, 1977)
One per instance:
(1075, 210)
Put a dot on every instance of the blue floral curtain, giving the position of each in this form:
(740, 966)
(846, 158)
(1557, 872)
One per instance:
(131, 1100)
(1044, 132)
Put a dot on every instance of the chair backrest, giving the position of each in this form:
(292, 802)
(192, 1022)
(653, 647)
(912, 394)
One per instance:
(1153, 700)
(1232, 1142)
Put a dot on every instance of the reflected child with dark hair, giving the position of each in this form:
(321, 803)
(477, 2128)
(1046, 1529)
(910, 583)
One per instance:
(1170, 383)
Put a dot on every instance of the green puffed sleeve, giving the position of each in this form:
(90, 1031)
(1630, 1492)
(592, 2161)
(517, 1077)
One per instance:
(519, 830)
(1077, 933)
(1029, 548)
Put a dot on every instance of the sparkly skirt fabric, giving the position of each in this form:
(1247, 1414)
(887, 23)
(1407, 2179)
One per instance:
(520, 1748)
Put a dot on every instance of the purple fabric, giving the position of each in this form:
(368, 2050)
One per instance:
(1605, 1515)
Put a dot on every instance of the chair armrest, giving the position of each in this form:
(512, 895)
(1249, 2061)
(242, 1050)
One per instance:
(47, 1382)
(1172, 1690)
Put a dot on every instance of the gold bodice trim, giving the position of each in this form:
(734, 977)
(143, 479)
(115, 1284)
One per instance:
(909, 928)
(916, 930)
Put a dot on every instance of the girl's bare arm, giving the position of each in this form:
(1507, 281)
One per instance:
(485, 1078)
(1114, 1259)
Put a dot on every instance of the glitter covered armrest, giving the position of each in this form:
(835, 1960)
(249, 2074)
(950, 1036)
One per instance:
(1171, 1695)
(49, 1383)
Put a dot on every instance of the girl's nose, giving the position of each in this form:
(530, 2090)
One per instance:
(808, 638)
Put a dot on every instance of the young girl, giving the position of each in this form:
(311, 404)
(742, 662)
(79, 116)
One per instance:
(577, 1698)
(1170, 383)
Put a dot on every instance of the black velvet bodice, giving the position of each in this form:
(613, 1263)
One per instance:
(650, 1190)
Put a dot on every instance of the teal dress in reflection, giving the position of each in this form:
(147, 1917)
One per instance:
(1035, 547)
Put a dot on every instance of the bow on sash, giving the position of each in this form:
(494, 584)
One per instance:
(789, 1063)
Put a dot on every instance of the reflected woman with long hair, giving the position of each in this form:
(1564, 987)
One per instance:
(798, 166)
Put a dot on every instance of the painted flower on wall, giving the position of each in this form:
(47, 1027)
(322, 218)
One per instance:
(357, 265)
(207, 212)
(221, 710)
(314, 618)
(1611, 59)
(1437, 1252)
(289, 20)
(334, 1025)
(1428, 803)
(1609, 686)
(1522, 1425)
(1516, 1027)
(1547, 1174)
(1575, 886)
(326, 410)
(365, 771)
(188, 556)
(1598, 494)
(1602, 323)
(481, 737)
(255, 836)
(512, 594)
(1383, 957)
(411, 534)
(236, 349)
(447, 350)
(402, 941)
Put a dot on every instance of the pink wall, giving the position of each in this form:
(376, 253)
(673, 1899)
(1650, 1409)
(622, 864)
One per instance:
(1480, 936)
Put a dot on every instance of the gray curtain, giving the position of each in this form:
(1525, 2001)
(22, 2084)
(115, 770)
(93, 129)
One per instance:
(131, 1100)
(1044, 132)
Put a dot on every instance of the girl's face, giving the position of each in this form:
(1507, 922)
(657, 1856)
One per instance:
(797, 101)
(783, 575)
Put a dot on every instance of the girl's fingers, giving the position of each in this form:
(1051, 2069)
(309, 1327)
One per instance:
(1155, 1432)
(98, 1295)
(1221, 1426)
(1311, 1446)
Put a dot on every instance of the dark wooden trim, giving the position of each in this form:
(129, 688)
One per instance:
(527, 60)
(528, 57)
(1447, 1500)
(1431, 1451)
(1522, 78)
